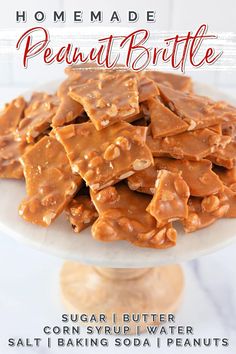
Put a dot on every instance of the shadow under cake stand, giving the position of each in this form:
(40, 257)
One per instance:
(115, 277)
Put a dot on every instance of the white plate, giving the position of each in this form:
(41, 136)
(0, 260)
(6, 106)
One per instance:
(60, 240)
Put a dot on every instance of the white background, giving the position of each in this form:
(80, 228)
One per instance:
(29, 283)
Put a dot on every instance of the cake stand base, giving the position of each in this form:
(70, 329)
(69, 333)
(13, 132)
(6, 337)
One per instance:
(94, 290)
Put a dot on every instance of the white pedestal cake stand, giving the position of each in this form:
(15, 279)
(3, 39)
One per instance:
(114, 277)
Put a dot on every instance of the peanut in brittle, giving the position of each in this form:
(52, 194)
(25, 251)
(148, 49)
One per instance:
(225, 156)
(38, 116)
(111, 97)
(198, 111)
(191, 145)
(105, 157)
(81, 212)
(198, 175)
(122, 216)
(11, 115)
(68, 109)
(50, 183)
(203, 212)
(163, 121)
(177, 82)
(169, 202)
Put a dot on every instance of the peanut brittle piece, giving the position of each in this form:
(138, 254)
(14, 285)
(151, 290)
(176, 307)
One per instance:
(163, 121)
(229, 128)
(169, 202)
(123, 216)
(197, 111)
(191, 145)
(110, 98)
(144, 181)
(11, 151)
(225, 156)
(146, 88)
(203, 212)
(11, 115)
(50, 183)
(107, 156)
(81, 212)
(68, 109)
(198, 175)
(38, 116)
(177, 82)
(228, 177)
(197, 218)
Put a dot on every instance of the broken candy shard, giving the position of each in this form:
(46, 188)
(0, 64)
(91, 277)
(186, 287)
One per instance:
(81, 212)
(163, 121)
(123, 216)
(169, 202)
(68, 109)
(50, 183)
(197, 218)
(228, 177)
(38, 116)
(11, 115)
(197, 111)
(107, 156)
(110, 98)
(147, 88)
(191, 145)
(225, 156)
(198, 175)
(177, 82)
(11, 151)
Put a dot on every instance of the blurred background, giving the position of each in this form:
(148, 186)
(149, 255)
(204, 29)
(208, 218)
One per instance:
(29, 279)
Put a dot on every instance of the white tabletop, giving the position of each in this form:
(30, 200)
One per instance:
(29, 296)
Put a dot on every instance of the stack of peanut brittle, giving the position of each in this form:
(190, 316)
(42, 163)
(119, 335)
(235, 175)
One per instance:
(128, 153)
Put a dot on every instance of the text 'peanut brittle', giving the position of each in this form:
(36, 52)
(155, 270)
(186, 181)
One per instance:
(122, 216)
(169, 202)
(49, 182)
(111, 155)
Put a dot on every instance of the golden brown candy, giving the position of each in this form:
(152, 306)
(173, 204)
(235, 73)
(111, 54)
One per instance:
(68, 109)
(163, 121)
(11, 115)
(81, 212)
(169, 202)
(110, 98)
(177, 82)
(122, 216)
(105, 157)
(38, 116)
(198, 175)
(197, 111)
(50, 183)
(11, 151)
(225, 156)
(191, 145)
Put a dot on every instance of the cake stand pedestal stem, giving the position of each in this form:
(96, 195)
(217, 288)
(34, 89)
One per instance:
(94, 290)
